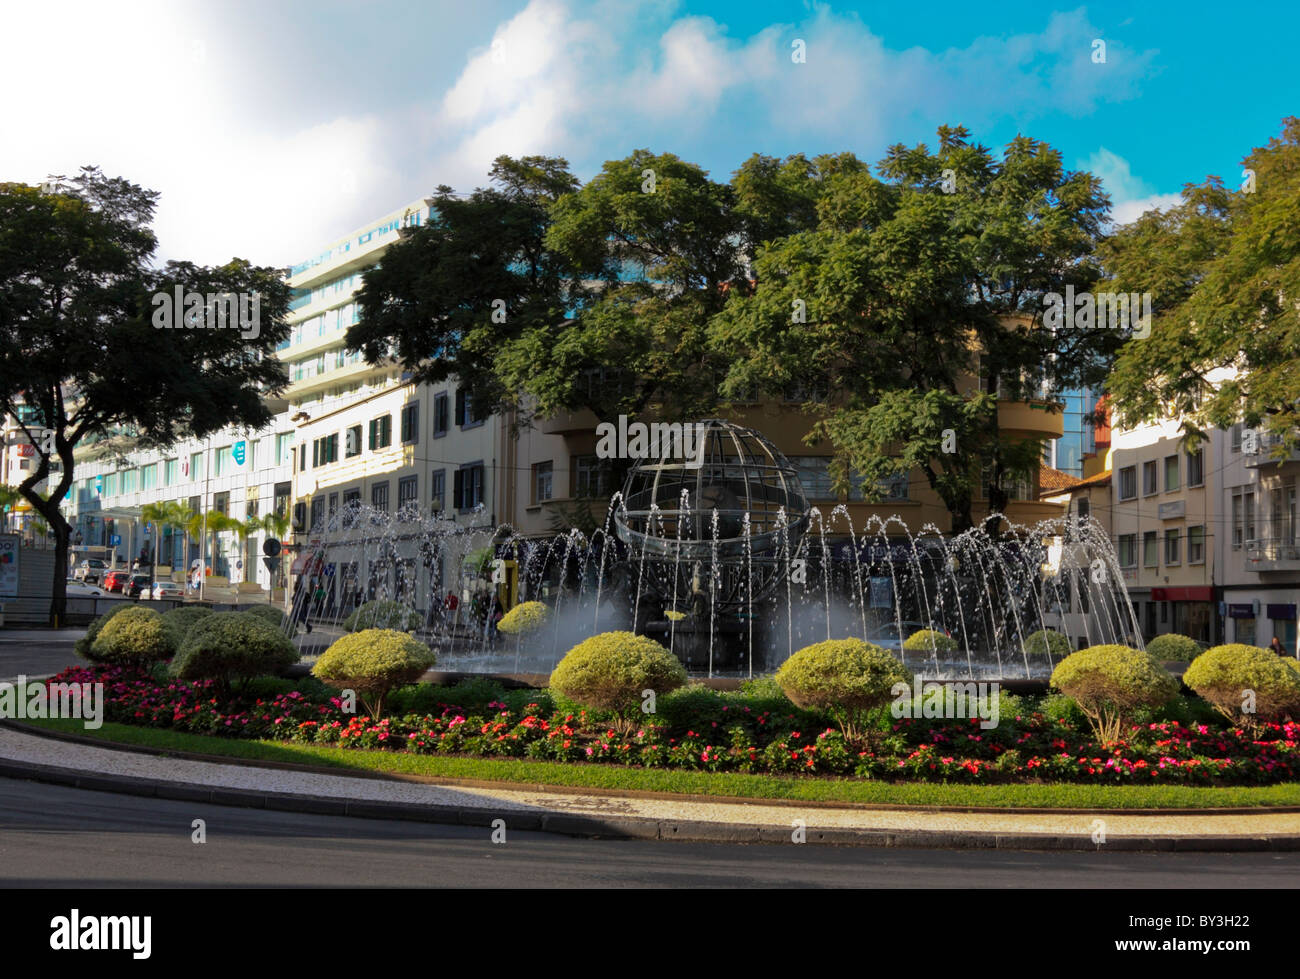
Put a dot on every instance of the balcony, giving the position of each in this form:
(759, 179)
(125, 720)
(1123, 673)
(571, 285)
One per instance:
(569, 423)
(1272, 554)
(1033, 418)
(1264, 454)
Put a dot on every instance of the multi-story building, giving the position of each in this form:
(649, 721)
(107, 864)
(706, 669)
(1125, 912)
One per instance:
(1258, 549)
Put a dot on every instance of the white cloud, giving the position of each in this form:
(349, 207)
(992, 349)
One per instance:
(1131, 196)
(1131, 210)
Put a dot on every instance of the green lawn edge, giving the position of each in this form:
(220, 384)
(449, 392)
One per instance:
(733, 784)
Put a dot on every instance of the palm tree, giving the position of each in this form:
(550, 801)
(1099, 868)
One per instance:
(170, 514)
(213, 522)
(275, 525)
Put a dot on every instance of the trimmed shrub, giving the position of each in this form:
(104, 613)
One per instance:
(82, 647)
(135, 636)
(1047, 642)
(524, 618)
(1109, 682)
(383, 613)
(1172, 646)
(373, 662)
(844, 677)
(930, 640)
(229, 646)
(609, 671)
(268, 613)
(181, 620)
(1232, 676)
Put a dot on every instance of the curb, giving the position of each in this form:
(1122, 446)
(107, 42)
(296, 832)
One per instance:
(623, 827)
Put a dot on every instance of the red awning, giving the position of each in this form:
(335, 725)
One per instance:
(1193, 593)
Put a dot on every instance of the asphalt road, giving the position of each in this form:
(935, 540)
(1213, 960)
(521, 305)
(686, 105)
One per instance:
(37, 652)
(56, 836)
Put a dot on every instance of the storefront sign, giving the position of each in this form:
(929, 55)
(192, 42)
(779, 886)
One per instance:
(1282, 612)
(1240, 611)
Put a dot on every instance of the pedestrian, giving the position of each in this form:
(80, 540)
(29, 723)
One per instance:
(1276, 647)
(301, 606)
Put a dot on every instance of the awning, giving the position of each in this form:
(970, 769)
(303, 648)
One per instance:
(1282, 613)
(1194, 593)
(307, 563)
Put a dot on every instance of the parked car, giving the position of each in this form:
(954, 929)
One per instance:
(138, 585)
(90, 570)
(168, 589)
(116, 580)
(79, 589)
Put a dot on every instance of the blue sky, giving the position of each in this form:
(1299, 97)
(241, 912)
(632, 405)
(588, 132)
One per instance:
(273, 128)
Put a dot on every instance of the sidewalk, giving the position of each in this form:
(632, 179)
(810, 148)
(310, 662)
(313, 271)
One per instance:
(576, 812)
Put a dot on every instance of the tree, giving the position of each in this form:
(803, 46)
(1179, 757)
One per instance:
(8, 498)
(1223, 272)
(77, 307)
(213, 523)
(451, 293)
(910, 286)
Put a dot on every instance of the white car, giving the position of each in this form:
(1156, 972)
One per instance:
(77, 589)
(167, 589)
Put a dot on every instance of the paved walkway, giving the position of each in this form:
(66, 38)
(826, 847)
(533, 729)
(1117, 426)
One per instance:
(614, 815)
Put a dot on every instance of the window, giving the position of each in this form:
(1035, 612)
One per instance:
(590, 477)
(333, 508)
(1150, 476)
(814, 474)
(1084, 506)
(543, 476)
(351, 503)
(318, 513)
(253, 448)
(1248, 514)
(1150, 549)
(439, 416)
(282, 491)
(1236, 437)
(1195, 468)
(302, 458)
(465, 416)
(221, 502)
(379, 496)
(149, 476)
(467, 490)
(170, 470)
(411, 423)
(381, 432)
(1171, 473)
(1128, 550)
(1128, 483)
(129, 480)
(1196, 545)
(196, 465)
(891, 488)
(408, 491)
(325, 450)
(1171, 547)
(1236, 520)
(438, 490)
(352, 442)
(283, 446)
(224, 461)
(1164, 613)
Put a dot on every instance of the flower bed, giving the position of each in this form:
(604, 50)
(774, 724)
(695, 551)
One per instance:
(701, 730)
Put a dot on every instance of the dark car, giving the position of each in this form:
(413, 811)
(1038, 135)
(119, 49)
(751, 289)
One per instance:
(115, 581)
(137, 586)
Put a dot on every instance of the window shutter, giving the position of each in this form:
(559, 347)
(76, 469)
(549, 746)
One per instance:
(460, 406)
(458, 488)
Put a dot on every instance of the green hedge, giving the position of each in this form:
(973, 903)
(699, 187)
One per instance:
(612, 670)
(373, 662)
(384, 613)
(1233, 675)
(181, 619)
(846, 678)
(134, 636)
(82, 647)
(1172, 646)
(268, 613)
(1110, 682)
(1047, 642)
(930, 640)
(230, 646)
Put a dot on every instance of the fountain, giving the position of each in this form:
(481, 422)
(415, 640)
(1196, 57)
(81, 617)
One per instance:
(722, 560)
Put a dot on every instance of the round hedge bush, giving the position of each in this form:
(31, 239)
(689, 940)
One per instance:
(1109, 682)
(609, 671)
(228, 646)
(1222, 676)
(383, 613)
(181, 619)
(930, 640)
(268, 613)
(1047, 642)
(83, 646)
(373, 662)
(524, 618)
(1172, 646)
(844, 677)
(135, 636)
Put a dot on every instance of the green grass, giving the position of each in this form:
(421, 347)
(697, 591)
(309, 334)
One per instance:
(1046, 796)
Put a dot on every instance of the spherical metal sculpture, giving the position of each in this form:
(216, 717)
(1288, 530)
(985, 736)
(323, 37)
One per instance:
(724, 521)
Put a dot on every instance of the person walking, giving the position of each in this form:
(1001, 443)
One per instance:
(1277, 647)
(301, 605)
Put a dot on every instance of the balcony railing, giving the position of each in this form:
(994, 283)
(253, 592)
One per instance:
(1264, 453)
(1273, 554)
